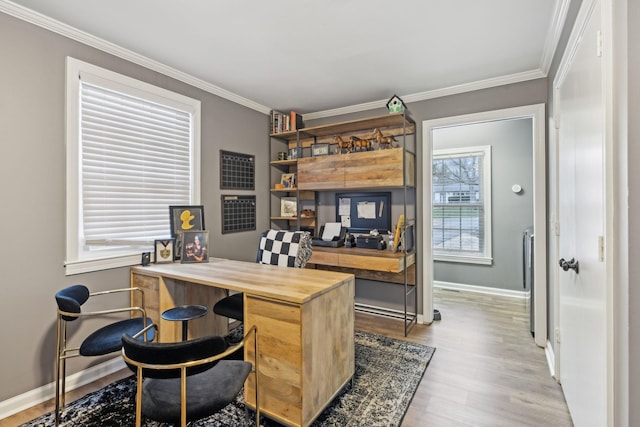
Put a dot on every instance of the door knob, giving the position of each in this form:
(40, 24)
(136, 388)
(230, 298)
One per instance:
(573, 264)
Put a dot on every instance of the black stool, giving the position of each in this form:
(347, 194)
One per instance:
(184, 313)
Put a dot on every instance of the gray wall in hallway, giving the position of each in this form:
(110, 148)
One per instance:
(511, 144)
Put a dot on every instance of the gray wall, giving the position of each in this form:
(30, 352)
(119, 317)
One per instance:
(511, 144)
(32, 172)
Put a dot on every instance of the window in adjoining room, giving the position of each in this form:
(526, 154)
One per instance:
(132, 150)
(461, 199)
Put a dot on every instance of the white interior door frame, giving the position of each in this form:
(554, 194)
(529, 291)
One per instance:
(537, 113)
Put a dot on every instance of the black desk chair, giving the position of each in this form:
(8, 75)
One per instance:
(184, 381)
(104, 340)
(277, 247)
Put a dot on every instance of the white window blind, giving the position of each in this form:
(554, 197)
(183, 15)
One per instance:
(135, 163)
(133, 149)
(461, 200)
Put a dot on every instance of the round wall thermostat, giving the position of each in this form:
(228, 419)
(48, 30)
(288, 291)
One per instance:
(516, 188)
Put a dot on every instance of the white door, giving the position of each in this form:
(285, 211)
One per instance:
(582, 284)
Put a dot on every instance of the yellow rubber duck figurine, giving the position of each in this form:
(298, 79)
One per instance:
(186, 218)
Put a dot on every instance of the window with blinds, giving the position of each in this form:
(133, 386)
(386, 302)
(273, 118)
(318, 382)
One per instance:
(461, 200)
(132, 151)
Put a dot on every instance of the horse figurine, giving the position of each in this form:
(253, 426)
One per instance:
(360, 144)
(343, 145)
(383, 141)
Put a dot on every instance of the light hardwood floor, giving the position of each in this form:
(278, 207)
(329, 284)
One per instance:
(486, 370)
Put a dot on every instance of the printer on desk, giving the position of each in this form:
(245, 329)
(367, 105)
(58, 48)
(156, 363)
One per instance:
(332, 235)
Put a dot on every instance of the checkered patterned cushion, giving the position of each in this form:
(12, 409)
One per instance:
(285, 248)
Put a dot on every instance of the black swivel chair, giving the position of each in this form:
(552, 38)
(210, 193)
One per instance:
(277, 247)
(105, 340)
(183, 381)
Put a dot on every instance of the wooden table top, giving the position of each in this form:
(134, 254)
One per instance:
(296, 285)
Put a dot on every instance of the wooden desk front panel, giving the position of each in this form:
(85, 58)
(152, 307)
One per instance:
(380, 276)
(362, 259)
(307, 353)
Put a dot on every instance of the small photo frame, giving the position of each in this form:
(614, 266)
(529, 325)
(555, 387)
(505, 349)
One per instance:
(288, 180)
(164, 250)
(288, 207)
(186, 218)
(195, 246)
(177, 246)
(319, 150)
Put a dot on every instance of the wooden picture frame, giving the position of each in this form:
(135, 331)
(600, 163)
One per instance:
(195, 246)
(164, 250)
(288, 180)
(186, 218)
(288, 207)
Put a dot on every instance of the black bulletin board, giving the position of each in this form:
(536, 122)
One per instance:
(238, 213)
(237, 171)
(379, 201)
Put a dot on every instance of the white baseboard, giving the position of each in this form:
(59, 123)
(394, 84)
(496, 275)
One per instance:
(551, 360)
(42, 394)
(480, 289)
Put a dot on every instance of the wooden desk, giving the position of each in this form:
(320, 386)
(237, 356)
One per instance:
(304, 317)
(373, 264)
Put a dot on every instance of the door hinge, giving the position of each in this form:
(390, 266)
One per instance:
(601, 248)
(599, 44)
(557, 335)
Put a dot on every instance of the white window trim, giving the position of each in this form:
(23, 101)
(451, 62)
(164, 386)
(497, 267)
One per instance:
(77, 261)
(487, 257)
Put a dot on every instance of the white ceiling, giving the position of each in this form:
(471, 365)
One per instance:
(317, 55)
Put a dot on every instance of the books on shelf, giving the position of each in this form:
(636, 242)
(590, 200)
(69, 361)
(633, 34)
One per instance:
(285, 122)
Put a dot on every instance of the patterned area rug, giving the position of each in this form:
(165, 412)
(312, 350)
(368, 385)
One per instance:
(387, 375)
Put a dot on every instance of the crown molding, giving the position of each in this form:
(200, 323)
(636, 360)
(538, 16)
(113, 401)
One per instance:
(432, 94)
(554, 34)
(72, 33)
